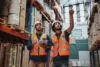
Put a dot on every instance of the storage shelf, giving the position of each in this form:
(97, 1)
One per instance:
(42, 10)
(6, 29)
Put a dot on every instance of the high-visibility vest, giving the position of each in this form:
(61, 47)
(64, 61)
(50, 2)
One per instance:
(61, 46)
(38, 50)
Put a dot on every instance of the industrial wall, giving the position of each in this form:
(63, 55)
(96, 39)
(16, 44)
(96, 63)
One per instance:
(78, 49)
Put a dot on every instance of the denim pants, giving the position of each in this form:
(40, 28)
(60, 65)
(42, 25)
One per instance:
(37, 64)
(60, 63)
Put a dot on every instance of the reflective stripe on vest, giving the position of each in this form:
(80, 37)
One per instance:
(37, 50)
(61, 46)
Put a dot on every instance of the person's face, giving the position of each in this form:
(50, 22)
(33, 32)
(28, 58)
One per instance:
(57, 26)
(39, 27)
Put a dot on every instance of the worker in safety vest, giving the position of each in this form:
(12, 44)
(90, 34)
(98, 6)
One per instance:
(61, 49)
(40, 45)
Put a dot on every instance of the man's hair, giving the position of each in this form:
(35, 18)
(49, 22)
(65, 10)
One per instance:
(53, 27)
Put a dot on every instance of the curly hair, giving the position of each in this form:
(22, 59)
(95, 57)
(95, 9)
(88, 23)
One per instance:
(53, 26)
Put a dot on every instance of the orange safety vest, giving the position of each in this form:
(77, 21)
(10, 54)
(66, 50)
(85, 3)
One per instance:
(61, 46)
(38, 50)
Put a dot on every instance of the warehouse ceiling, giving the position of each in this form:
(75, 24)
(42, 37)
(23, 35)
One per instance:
(72, 2)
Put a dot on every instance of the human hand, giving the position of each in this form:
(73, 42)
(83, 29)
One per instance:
(34, 42)
(46, 42)
(51, 55)
(43, 43)
(71, 11)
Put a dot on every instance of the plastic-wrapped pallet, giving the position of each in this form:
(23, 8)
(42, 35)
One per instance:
(91, 33)
(99, 15)
(22, 14)
(19, 55)
(6, 55)
(95, 27)
(98, 23)
(10, 58)
(25, 57)
(11, 55)
(14, 12)
(89, 42)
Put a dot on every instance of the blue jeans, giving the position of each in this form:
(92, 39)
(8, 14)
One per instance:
(60, 64)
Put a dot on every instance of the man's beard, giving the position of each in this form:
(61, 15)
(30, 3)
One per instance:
(58, 29)
(39, 29)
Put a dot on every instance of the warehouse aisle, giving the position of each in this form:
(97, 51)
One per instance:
(18, 24)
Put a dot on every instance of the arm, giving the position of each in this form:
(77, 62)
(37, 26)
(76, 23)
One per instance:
(32, 41)
(29, 44)
(71, 12)
(51, 54)
(45, 42)
(48, 42)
